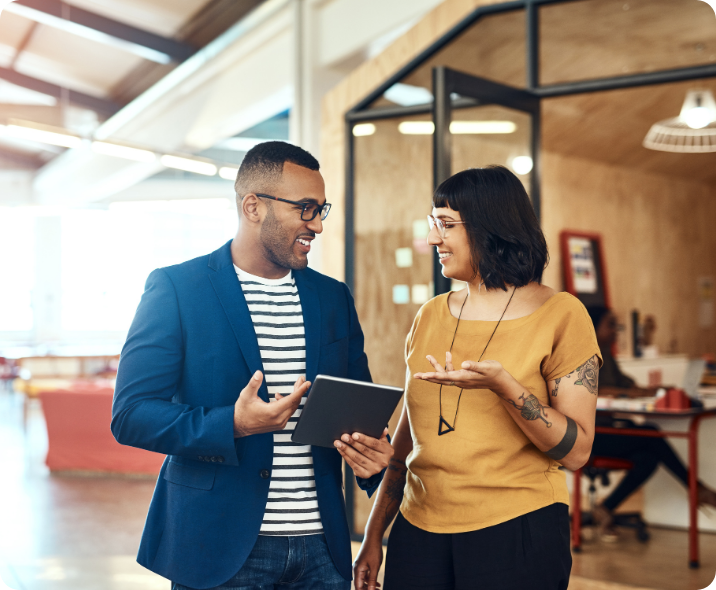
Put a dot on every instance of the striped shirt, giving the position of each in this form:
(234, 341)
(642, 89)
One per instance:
(292, 506)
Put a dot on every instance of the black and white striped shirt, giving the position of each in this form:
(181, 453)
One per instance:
(292, 507)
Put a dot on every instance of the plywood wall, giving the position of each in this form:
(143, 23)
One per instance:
(659, 237)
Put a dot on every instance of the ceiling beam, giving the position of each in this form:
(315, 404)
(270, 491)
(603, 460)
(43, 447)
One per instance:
(24, 160)
(94, 103)
(23, 44)
(56, 13)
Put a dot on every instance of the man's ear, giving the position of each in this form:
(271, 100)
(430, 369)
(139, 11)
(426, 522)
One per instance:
(249, 207)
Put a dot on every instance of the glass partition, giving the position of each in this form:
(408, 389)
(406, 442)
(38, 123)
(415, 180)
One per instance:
(599, 39)
(493, 134)
(393, 264)
(492, 48)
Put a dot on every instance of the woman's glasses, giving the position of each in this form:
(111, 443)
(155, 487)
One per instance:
(442, 224)
(309, 210)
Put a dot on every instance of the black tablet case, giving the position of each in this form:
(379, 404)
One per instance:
(338, 406)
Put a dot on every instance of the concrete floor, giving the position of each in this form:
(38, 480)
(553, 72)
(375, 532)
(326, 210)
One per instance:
(82, 533)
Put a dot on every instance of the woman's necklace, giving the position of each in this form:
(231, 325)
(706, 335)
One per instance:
(444, 422)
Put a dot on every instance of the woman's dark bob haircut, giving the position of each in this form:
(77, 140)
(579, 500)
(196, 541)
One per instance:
(507, 243)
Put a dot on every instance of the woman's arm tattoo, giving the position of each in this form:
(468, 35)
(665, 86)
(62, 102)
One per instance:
(556, 386)
(567, 443)
(588, 375)
(395, 486)
(531, 409)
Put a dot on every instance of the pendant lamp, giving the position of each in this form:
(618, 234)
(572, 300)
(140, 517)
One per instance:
(692, 132)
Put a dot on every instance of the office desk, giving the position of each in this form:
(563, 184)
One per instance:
(694, 416)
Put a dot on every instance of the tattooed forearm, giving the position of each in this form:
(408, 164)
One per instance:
(588, 375)
(531, 408)
(566, 444)
(394, 487)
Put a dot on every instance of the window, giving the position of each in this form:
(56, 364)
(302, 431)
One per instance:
(17, 269)
(107, 255)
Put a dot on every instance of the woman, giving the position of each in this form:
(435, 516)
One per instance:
(479, 444)
(645, 453)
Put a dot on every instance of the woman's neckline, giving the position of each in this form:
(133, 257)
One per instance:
(445, 308)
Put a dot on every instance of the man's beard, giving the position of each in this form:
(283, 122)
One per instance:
(276, 246)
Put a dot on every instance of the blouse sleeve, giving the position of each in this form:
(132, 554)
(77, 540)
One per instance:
(574, 341)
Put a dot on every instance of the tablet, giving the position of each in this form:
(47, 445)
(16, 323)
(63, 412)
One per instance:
(338, 406)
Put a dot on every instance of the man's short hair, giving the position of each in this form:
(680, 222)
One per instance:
(263, 164)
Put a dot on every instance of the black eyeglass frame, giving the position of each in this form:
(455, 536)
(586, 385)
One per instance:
(319, 208)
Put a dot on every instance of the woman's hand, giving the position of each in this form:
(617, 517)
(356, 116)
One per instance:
(471, 375)
(367, 564)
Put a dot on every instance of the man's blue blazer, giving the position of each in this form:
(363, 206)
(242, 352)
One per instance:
(190, 350)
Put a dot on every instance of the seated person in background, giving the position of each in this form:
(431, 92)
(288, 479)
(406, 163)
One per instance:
(645, 453)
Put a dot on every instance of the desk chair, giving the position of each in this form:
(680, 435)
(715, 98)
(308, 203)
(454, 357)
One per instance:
(599, 468)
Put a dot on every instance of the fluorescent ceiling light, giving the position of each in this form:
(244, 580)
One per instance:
(407, 95)
(228, 173)
(87, 33)
(363, 129)
(522, 165)
(458, 127)
(242, 144)
(188, 165)
(50, 136)
(417, 127)
(478, 127)
(123, 151)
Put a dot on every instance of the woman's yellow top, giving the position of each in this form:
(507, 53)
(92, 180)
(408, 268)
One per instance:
(487, 471)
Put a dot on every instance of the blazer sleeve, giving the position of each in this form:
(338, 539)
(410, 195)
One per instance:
(358, 369)
(148, 377)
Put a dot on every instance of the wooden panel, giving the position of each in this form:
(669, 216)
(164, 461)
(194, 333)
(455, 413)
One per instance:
(493, 48)
(604, 38)
(658, 234)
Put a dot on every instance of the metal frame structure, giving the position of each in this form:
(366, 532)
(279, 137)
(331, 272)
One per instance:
(486, 92)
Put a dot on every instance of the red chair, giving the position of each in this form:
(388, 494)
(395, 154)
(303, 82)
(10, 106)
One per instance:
(599, 467)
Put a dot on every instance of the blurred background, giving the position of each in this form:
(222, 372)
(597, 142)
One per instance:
(122, 126)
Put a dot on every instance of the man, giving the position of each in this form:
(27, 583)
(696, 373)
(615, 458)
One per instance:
(238, 504)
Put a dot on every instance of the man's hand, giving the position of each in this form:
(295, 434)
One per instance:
(252, 415)
(365, 455)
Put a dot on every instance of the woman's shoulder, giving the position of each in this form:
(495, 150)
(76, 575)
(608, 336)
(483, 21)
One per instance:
(433, 307)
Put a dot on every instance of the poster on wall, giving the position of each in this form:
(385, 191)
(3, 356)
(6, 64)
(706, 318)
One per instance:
(583, 267)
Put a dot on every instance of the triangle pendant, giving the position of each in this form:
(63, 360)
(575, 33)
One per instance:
(448, 428)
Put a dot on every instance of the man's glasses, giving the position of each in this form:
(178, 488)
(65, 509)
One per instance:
(309, 210)
(442, 224)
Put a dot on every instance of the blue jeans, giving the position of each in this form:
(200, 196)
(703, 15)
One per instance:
(286, 563)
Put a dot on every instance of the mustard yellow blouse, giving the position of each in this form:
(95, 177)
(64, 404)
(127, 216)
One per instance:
(487, 471)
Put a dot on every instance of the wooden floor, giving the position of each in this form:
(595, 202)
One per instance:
(82, 533)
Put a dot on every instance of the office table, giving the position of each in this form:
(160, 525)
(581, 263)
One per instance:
(694, 416)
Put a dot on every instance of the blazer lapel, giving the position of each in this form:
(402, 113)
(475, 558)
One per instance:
(228, 290)
(311, 307)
